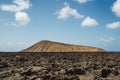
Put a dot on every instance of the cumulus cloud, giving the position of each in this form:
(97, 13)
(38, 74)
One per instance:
(113, 25)
(18, 7)
(89, 22)
(116, 8)
(82, 1)
(67, 12)
(22, 18)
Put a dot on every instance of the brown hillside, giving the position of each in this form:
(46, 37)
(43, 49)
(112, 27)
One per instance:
(50, 46)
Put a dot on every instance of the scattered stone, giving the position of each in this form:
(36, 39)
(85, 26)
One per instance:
(111, 64)
(105, 73)
(76, 71)
(19, 58)
(5, 75)
(62, 66)
(115, 72)
(29, 72)
(4, 65)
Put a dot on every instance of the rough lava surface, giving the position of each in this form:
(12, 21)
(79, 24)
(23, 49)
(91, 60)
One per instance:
(60, 66)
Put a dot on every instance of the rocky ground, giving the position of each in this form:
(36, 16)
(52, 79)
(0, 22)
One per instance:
(60, 66)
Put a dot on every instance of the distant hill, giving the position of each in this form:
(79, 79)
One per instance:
(51, 46)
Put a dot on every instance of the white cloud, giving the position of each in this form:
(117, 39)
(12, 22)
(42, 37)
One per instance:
(89, 22)
(22, 18)
(110, 39)
(113, 25)
(18, 5)
(116, 8)
(82, 1)
(67, 12)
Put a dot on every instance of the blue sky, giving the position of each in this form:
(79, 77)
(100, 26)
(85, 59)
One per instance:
(83, 22)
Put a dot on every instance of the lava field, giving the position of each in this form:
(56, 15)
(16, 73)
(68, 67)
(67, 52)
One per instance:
(59, 66)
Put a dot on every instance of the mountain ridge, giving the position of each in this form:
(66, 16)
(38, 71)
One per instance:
(52, 46)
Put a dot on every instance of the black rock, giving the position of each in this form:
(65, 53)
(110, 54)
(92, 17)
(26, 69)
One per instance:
(105, 73)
